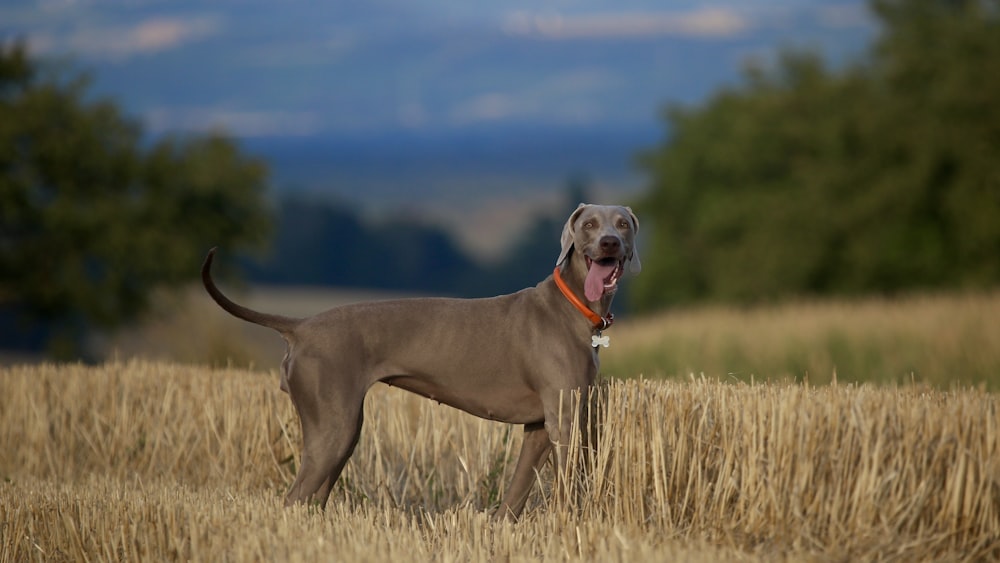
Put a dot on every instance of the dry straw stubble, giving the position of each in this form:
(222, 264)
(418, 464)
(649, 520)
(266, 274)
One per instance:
(167, 461)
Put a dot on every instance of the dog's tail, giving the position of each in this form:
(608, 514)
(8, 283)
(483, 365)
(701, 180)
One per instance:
(277, 322)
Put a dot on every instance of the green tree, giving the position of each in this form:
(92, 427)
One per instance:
(877, 177)
(939, 63)
(92, 217)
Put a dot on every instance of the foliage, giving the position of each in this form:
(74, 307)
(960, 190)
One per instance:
(325, 243)
(94, 217)
(878, 177)
(328, 244)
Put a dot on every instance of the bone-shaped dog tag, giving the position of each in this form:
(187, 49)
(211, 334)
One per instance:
(600, 340)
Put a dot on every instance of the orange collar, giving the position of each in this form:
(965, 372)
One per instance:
(600, 323)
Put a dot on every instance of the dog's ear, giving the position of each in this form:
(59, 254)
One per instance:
(634, 265)
(567, 233)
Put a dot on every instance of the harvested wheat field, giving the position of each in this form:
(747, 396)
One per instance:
(159, 461)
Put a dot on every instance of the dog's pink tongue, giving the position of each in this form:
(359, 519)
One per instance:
(593, 286)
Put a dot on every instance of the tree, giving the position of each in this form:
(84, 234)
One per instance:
(526, 261)
(92, 217)
(878, 177)
(939, 62)
(328, 243)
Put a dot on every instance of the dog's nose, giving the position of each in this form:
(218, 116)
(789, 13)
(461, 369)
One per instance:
(610, 245)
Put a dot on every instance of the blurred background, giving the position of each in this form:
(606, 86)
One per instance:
(774, 151)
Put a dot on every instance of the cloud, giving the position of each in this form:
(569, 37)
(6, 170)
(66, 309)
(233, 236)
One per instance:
(240, 123)
(845, 16)
(568, 97)
(706, 22)
(491, 106)
(121, 42)
(163, 33)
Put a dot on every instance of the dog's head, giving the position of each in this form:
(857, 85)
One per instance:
(604, 237)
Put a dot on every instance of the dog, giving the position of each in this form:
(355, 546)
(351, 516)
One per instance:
(514, 358)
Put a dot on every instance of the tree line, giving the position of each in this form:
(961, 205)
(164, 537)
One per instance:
(93, 216)
(326, 243)
(879, 177)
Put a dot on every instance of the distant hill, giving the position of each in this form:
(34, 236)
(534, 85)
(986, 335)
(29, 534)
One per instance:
(426, 169)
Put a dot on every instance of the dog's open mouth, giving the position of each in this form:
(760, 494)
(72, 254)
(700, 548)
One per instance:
(602, 277)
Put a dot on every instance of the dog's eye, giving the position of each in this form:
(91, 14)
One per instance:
(588, 225)
(623, 224)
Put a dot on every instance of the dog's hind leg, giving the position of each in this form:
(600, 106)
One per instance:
(323, 493)
(327, 444)
(331, 424)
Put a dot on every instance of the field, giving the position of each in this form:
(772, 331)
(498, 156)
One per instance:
(147, 460)
(730, 434)
(939, 340)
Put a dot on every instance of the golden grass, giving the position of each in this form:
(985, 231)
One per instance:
(138, 461)
(940, 340)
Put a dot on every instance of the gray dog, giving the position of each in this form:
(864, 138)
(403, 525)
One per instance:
(514, 358)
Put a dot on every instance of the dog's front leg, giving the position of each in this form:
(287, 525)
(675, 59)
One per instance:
(534, 453)
(567, 424)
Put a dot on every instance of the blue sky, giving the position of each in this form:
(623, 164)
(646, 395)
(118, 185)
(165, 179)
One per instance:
(297, 68)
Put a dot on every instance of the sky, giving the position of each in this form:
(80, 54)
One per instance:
(297, 68)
